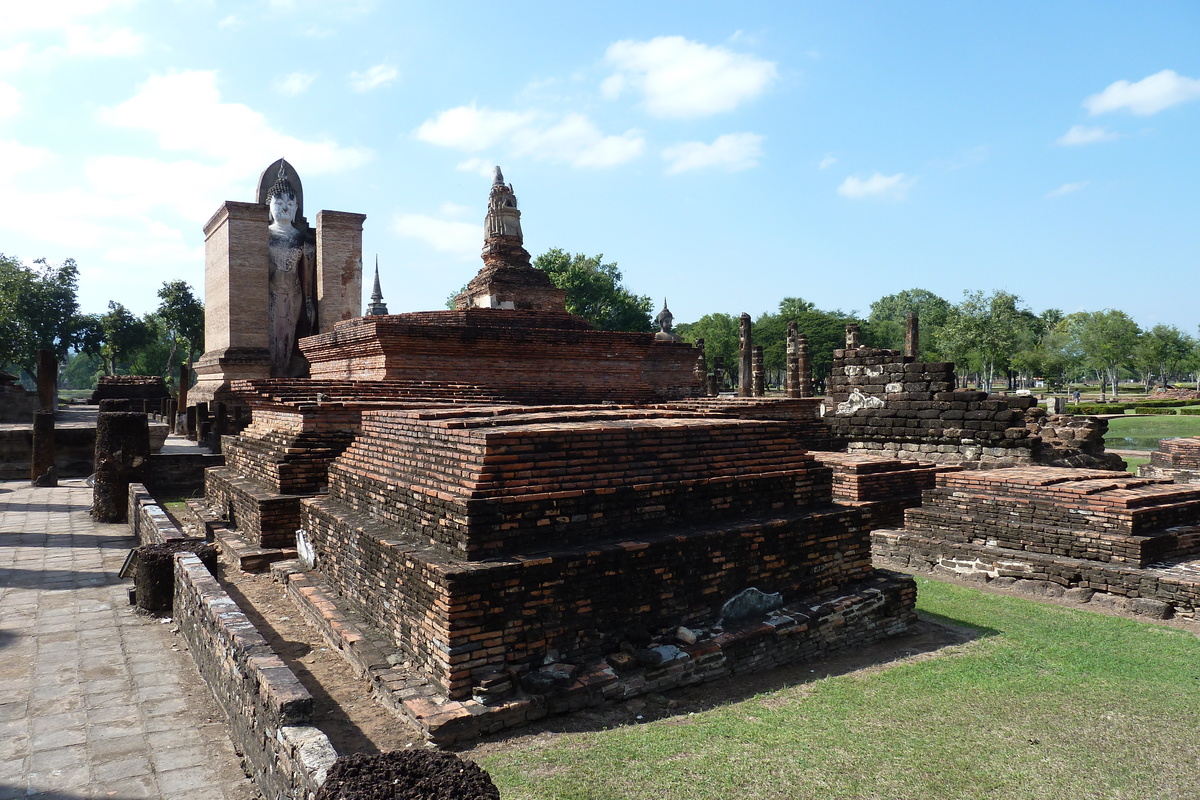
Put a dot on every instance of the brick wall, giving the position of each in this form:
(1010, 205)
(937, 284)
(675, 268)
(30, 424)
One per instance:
(268, 712)
(485, 482)
(458, 620)
(522, 356)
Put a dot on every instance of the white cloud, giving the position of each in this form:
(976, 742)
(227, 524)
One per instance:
(16, 157)
(1085, 134)
(577, 141)
(10, 101)
(1147, 96)
(374, 78)
(15, 57)
(21, 16)
(294, 83)
(827, 162)
(732, 152)
(231, 21)
(682, 78)
(463, 240)
(454, 210)
(888, 187)
(482, 166)
(1067, 188)
(470, 128)
(574, 139)
(90, 42)
(185, 112)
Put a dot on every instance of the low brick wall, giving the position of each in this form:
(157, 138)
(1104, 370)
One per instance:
(147, 520)
(263, 518)
(180, 473)
(268, 712)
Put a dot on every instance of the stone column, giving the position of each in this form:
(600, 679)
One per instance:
(122, 453)
(236, 299)
(758, 381)
(852, 336)
(191, 431)
(339, 267)
(180, 422)
(220, 426)
(700, 370)
(912, 336)
(804, 364)
(793, 362)
(746, 366)
(47, 379)
(41, 467)
(718, 374)
(203, 426)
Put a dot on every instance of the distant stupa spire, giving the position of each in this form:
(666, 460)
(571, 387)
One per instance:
(377, 305)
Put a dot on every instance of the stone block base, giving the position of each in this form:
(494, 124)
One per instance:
(851, 616)
(1168, 588)
(262, 518)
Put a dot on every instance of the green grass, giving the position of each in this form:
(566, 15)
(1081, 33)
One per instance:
(1155, 426)
(1047, 703)
(1133, 462)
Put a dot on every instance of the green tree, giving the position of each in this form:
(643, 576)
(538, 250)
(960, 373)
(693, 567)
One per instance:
(885, 326)
(1161, 349)
(181, 317)
(595, 292)
(720, 335)
(1106, 340)
(114, 337)
(38, 309)
(984, 331)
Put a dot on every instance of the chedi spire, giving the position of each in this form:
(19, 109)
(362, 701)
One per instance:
(377, 305)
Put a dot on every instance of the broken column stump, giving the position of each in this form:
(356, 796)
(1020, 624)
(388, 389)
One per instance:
(122, 450)
(758, 382)
(47, 379)
(41, 468)
(154, 571)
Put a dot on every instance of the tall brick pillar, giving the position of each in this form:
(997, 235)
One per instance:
(47, 380)
(804, 364)
(43, 448)
(700, 371)
(236, 300)
(339, 267)
(852, 336)
(912, 336)
(746, 367)
(759, 379)
(180, 422)
(792, 382)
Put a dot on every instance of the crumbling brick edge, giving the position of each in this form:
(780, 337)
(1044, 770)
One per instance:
(877, 608)
(147, 520)
(1156, 591)
(268, 711)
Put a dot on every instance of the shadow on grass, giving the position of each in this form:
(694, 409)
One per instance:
(927, 638)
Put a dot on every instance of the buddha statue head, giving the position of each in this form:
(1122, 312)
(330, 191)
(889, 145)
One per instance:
(282, 201)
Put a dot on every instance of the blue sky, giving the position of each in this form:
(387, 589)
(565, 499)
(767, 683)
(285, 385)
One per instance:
(725, 155)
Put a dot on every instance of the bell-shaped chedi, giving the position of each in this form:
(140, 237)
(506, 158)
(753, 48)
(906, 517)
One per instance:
(507, 280)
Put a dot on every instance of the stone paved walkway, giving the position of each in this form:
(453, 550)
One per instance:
(96, 699)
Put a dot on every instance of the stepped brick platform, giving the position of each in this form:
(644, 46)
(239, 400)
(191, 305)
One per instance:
(298, 427)
(1076, 528)
(879, 486)
(803, 414)
(1175, 459)
(521, 356)
(488, 541)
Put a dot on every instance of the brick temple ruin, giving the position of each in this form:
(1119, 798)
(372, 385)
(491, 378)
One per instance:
(537, 516)
(499, 513)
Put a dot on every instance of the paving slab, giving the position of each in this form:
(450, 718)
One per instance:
(99, 700)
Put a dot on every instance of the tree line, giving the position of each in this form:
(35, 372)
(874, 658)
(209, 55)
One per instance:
(39, 310)
(987, 336)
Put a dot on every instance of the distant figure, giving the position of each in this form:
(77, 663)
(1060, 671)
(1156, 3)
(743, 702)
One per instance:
(1075, 396)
